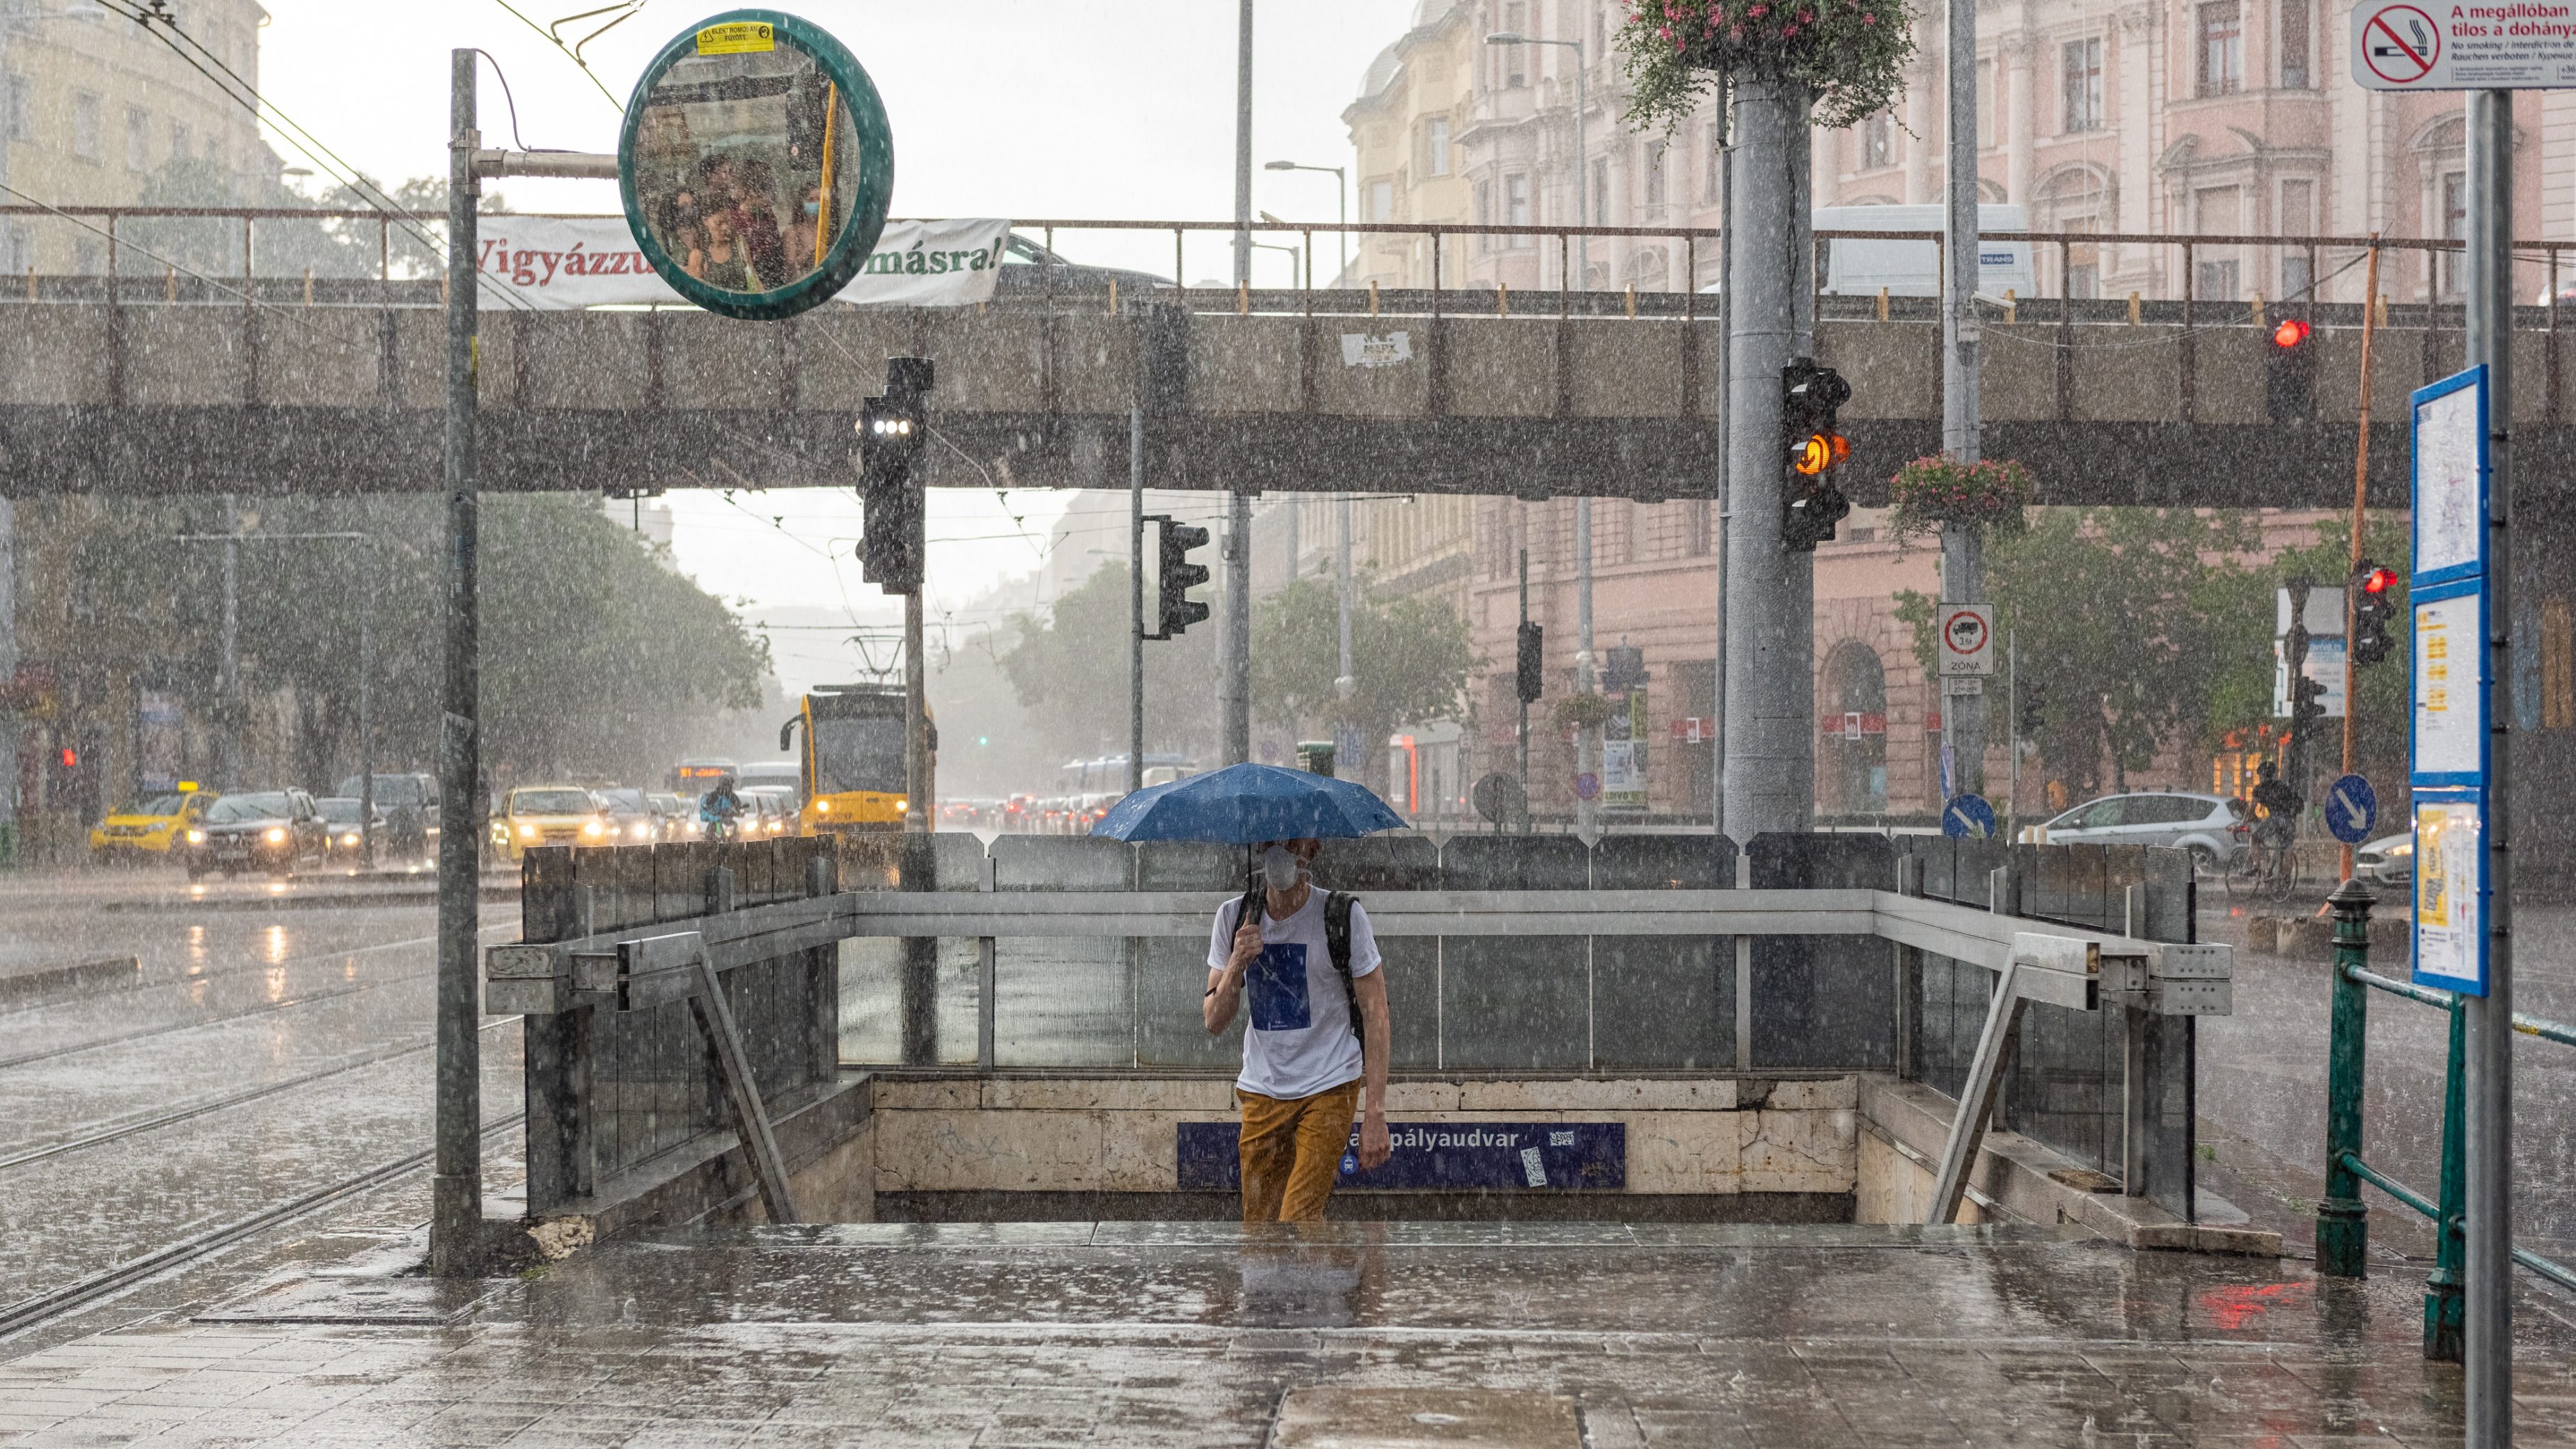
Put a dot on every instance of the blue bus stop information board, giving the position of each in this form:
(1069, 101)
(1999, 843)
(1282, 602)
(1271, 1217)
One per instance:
(2448, 746)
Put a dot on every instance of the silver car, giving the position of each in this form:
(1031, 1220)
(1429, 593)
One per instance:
(2388, 861)
(2201, 824)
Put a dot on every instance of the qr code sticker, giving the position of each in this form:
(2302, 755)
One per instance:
(1560, 1139)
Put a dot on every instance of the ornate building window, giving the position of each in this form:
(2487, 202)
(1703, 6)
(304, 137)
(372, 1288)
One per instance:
(2222, 48)
(2083, 85)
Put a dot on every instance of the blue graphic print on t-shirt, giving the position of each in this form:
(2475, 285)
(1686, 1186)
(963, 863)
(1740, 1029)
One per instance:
(1277, 982)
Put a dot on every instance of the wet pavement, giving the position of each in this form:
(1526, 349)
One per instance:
(1149, 1334)
(250, 1059)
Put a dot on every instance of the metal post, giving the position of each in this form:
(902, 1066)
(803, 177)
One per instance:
(456, 1196)
(228, 666)
(366, 736)
(1345, 684)
(2443, 1318)
(1582, 190)
(1770, 723)
(2361, 497)
(1963, 716)
(2343, 1223)
(1242, 147)
(2488, 1336)
(1136, 599)
(2012, 703)
(1524, 736)
(918, 817)
(1587, 753)
(1725, 432)
(8, 663)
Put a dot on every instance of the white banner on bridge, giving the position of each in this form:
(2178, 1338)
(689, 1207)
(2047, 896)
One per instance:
(558, 262)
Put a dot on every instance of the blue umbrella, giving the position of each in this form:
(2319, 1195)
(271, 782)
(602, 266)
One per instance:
(1247, 804)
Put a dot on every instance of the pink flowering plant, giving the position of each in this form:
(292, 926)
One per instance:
(1930, 492)
(1850, 53)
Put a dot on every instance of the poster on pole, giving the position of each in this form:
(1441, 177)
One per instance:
(2451, 895)
(2450, 478)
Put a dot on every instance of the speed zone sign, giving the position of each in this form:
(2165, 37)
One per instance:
(1967, 639)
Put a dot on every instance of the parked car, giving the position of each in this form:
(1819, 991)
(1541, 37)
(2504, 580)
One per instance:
(278, 831)
(343, 839)
(154, 828)
(2389, 861)
(2200, 824)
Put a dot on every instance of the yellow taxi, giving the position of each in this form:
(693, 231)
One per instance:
(154, 829)
(534, 815)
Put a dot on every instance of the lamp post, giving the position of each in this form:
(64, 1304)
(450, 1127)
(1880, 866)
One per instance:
(1341, 198)
(1582, 159)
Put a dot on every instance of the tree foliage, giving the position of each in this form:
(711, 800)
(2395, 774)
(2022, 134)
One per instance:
(1410, 660)
(2129, 624)
(1071, 666)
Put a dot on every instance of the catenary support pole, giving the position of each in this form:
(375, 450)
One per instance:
(1237, 636)
(1725, 433)
(1524, 735)
(2360, 496)
(2489, 1077)
(456, 1192)
(228, 660)
(1345, 683)
(1587, 755)
(1136, 599)
(367, 732)
(918, 816)
(1963, 716)
(1770, 722)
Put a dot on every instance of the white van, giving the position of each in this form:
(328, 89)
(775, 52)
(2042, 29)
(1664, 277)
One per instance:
(1856, 268)
(1859, 268)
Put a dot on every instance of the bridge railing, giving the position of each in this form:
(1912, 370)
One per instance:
(285, 255)
(1505, 954)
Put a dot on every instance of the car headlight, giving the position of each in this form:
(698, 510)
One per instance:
(642, 831)
(592, 828)
(196, 837)
(822, 807)
(276, 835)
(2400, 852)
(349, 839)
(902, 807)
(527, 832)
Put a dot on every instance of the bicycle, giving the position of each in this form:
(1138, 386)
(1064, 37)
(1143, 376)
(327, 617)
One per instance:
(2263, 869)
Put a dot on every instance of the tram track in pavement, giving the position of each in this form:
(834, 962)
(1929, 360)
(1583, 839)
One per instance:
(194, 1110)
(265, 1008)
(53, 1303)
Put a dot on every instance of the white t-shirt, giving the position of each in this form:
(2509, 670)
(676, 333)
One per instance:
(1297, 1037)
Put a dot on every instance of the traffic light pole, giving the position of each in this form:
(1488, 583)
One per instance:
(1768, 780)
(2360, 488)
(1136, 599)
(1963, 563)
(2488, 1305)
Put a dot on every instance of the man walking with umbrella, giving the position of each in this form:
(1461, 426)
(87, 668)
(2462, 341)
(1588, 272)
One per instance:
(1306, 964)
(1316, 1038)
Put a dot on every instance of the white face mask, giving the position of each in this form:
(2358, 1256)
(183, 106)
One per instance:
(1280, 869)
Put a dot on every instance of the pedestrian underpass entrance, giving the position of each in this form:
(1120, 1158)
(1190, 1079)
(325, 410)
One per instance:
(1650, 1028)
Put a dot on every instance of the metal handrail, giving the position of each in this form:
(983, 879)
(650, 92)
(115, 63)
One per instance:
(2528, 1025)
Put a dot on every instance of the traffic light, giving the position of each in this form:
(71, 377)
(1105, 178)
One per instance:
(2307, 705)
(1531, 676)
(2372, 607)
(1810, 503)
(2290, 371)
(893, 430)
(1176, 610)
(2034, 709)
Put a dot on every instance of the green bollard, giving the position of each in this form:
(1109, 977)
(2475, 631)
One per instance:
(2343, 1224)
(2443, 1302)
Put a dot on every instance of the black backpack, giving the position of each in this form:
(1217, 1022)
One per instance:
(1337, 940)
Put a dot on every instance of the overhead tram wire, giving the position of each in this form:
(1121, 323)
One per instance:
(242, 93)
(573, 53)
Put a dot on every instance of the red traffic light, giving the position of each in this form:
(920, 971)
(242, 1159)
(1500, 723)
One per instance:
(2378, 581)
(2290, 333)
(71, 758)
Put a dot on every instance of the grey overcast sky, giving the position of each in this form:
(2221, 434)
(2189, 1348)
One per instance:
(1117, 109)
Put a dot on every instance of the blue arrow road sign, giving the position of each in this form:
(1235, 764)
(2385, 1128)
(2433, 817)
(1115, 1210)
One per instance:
(2352, 807)
(1968, 817)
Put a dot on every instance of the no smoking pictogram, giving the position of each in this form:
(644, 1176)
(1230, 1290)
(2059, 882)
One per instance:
(2400, 43)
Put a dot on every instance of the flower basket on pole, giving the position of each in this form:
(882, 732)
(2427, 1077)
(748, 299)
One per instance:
(1849, 54)
(1930, 492)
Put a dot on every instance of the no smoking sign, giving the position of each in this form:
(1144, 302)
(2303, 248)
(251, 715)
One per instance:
(2517, 45)
(1967, 639)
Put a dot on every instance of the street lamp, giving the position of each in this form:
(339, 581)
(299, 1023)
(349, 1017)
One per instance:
(1290, 249)
(1341, 197)
(1582, 183)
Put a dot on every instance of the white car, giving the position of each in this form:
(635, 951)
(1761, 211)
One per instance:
(2200, 824)
(2389, 861)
